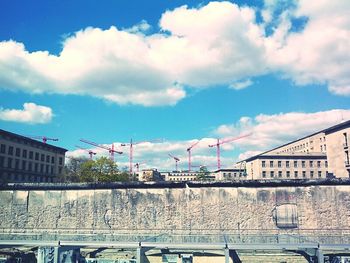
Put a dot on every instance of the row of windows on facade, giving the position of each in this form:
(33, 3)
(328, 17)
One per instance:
(234, 174)
(287, 164)
(306, 145)
(27, 166)
(296, 174)
(11, 150)
(14, 177)
(183, 179)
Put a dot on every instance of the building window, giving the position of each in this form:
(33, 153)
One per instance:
(345, 139)
(18, 152)
(2, 161)
(279, 164)
(288, 174)
(287, 164)
(295, 173)
(30, 166)
(31, 155)
(36, 166)
(295, 164)
(264, 174)
(24, 164)
(318, 164)
(326, 164)
(304, 174)
(263, 163)
(311, 174)
(311, 163)
(303, 164)
(271, 163)
(272, 174)
(321, 148)
(279, 173)
(10, 151)
(52, 159)
(3, 148)
(37, 156)
(324, 147)
(47, 158)
(9, 162)
(60, 160)
(319, 174)
(42, 158)
(24, 153)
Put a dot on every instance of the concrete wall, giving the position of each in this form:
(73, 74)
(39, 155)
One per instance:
(205, 209)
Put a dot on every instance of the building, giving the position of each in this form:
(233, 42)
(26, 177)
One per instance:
(229, 174)
(182, 176)
(317, 156)
(26, 160)
(148, 175)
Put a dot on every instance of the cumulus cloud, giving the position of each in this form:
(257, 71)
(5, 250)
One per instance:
(218, 43)
(320, 53)
(269, 131)
(31, 113)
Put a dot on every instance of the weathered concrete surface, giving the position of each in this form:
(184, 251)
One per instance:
(200, 209)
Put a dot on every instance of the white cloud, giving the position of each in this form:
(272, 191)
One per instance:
(269, 131)
(219, 43)
(320, 53)
(241, 84)
(31, 113)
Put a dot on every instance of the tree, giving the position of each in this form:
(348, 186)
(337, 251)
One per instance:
(100, 170)
(72, 169)
(203, 173)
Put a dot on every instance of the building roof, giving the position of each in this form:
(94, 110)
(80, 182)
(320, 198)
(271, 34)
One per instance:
(331, 129)
(35, 142)
(340, 126)
(228, 170)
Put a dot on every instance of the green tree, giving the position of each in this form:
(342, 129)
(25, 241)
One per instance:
(203, 173)
(72, 169)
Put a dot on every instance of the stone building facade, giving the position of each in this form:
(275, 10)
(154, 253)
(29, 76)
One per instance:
(26, 160)
(317, 156)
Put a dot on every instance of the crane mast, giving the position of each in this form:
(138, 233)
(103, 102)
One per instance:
(218, 143)
(176, 160)
(189, 154)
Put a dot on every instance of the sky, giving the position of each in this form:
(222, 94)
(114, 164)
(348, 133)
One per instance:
(167, 74)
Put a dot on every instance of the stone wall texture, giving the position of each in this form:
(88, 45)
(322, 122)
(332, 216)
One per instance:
(169, 210)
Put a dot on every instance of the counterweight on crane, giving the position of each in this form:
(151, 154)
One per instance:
(176, 160)
(189, 154)
(43, 138)
(91, 153)
(225, 141)
(109, 149)
(131, 150)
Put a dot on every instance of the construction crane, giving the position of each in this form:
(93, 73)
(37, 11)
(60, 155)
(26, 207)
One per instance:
(176, 160)
(189, 154)
(91, 153)
(131, 151)
(225, 141)
(110, 150)
(43, 138)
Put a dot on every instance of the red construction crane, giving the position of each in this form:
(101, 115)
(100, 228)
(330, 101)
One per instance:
(131, 144)
(91, 153)
(176, 160)
(110, 150)
(43, 138)
(225, 141)
(189, 154)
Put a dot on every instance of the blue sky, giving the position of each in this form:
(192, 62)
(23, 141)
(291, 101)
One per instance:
(116, 70)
